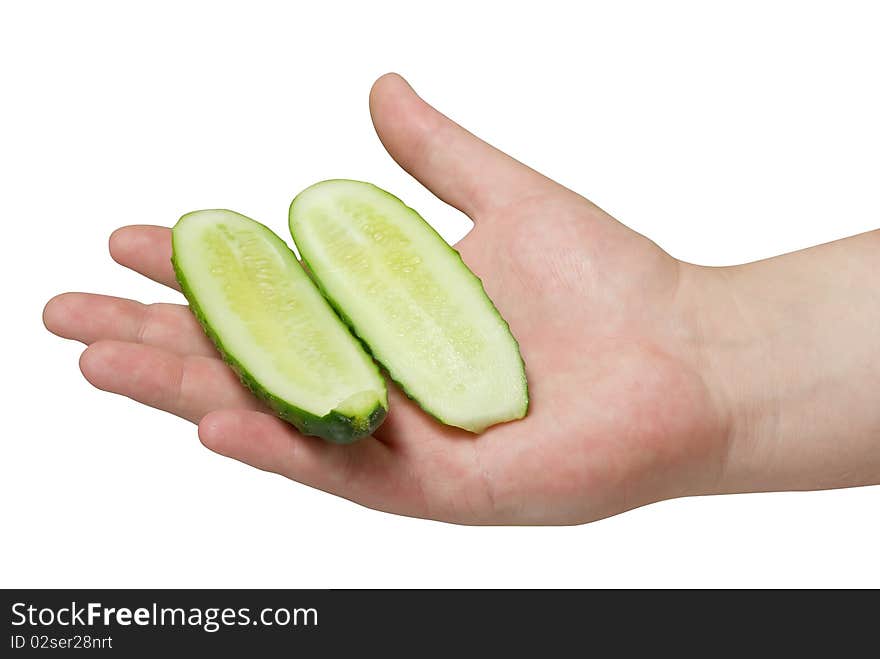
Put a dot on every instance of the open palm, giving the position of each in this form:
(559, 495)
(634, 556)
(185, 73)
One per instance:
(619, 414)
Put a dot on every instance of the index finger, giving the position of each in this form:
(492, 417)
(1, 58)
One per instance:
(145, 249)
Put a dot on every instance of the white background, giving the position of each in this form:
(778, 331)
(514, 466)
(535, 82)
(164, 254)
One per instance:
(726, 135)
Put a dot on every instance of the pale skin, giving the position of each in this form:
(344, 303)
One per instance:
(650, 378)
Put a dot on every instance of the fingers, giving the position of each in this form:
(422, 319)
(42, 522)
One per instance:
(88, 318)
(366, 472)
(454, 164)
(187, 386)
(233, 423)
(145, 249)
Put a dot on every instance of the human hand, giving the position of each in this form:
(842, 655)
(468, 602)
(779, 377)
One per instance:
(632, 401)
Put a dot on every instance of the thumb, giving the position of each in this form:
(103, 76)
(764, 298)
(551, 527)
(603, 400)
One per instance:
(457, 166)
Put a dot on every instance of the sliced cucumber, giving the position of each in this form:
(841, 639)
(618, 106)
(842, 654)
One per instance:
(272, 325)
(407, 294)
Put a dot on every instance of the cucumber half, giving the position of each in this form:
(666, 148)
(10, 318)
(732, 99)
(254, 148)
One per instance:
(409, 297)
(273, 327)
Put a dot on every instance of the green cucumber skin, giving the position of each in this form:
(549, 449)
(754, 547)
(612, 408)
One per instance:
(334, 427)
(341, 312)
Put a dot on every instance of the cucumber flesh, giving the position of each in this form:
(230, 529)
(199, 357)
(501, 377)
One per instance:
(273, 326)
(409, 297)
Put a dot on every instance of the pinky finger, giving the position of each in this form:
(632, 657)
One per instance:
(365, 472)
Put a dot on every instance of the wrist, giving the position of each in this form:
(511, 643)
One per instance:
(788, 348)
(729, 346)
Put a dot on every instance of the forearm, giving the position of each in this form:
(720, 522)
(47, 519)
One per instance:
(790, 348)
